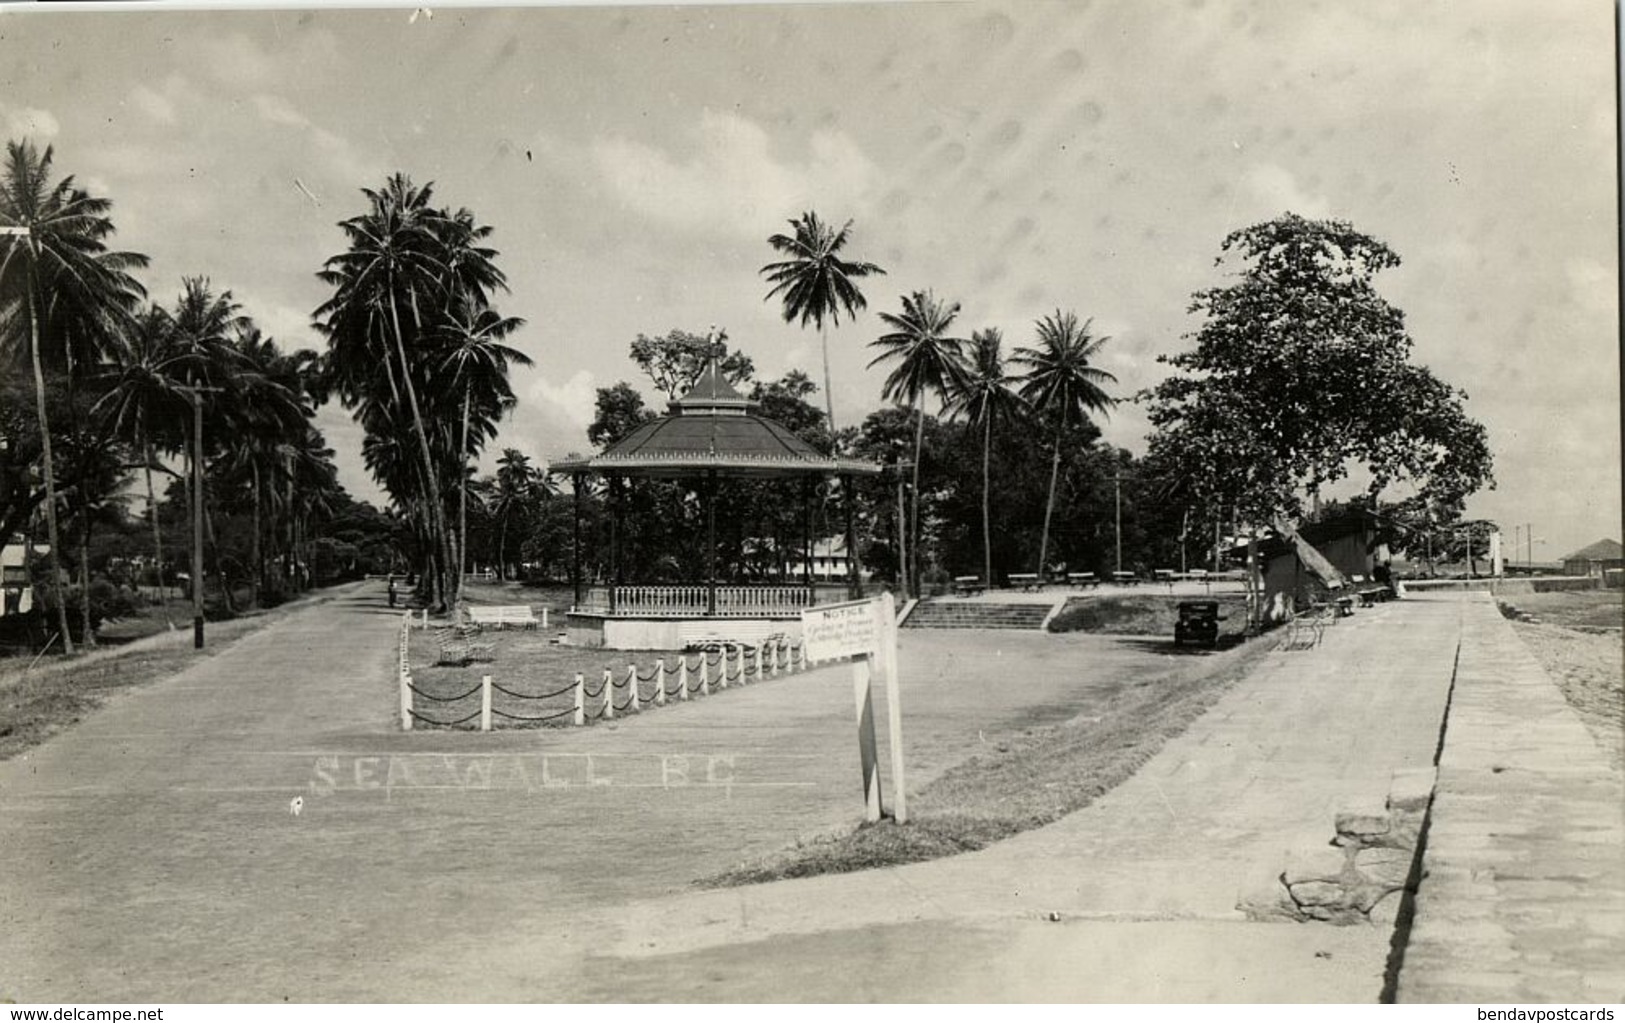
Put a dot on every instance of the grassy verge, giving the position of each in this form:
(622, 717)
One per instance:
(1024, 779)
(56, 694)
(1142, 614)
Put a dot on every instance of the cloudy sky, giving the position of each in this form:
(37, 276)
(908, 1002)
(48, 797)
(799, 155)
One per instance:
(1015, 157)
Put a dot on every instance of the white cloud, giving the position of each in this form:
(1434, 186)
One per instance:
(1592, 286)
(153, 104)
(735, 181)
(236, 60)
(569, 404)
(1278, 190)
(29, 122)
(277, 110)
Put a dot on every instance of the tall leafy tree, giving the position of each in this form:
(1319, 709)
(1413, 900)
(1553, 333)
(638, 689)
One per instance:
(1061, 384)
(984, 396)
(1300, 374)
(56, 269)
(926, 360)
(815, 283)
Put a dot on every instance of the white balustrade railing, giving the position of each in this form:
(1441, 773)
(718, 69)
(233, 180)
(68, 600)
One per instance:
(694, 601)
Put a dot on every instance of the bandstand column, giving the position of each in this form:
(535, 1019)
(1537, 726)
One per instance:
(806, 533)
(575, 557)
(853, 585)
(614, 540)
(711, 544)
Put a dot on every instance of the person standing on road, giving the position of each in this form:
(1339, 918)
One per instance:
(392, 589)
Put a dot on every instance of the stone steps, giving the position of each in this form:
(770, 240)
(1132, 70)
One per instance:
(963, 615)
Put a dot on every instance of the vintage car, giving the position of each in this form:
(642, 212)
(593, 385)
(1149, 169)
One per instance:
(1198, 622)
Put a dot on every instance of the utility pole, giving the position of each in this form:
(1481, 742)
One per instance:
(1118, 481)
(196, 394)
(902, 529)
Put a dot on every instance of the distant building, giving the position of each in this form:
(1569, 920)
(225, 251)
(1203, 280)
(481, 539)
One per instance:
(16, 589)
(1598, 559)
(1350, 542)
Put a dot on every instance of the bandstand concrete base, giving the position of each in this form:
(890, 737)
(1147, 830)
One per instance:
(623, 632)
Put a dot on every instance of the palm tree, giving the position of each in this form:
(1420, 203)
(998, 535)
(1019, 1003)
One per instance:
(144, 391)
(984, 396)
(929, 361)
(270, 407)
(476, 360)
(517, 484)
(1063, 387)
(59, 261)
(394, 256)
(816, 282)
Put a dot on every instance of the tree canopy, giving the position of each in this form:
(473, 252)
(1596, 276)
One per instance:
(1301, 374)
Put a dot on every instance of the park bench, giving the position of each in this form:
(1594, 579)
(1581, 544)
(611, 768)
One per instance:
(1124, 578)
(1163, 575)
(1026, 580)
(502, 616)
(1082, 579)
(456, 647)
(1305, 629)
(966, 585)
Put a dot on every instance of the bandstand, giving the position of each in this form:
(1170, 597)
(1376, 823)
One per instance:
(711, 434)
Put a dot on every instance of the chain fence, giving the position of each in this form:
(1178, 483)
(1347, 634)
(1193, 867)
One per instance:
(615, 693)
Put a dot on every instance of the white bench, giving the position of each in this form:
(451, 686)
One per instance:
(455, 648)
(1026, 580)
(965, 585)
(502, 616)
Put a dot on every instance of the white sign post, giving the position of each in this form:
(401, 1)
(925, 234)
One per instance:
(865, 630)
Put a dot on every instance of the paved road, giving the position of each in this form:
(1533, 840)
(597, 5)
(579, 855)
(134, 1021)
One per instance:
(150, 853)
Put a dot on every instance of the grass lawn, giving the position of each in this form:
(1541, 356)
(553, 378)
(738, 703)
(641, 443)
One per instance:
(1143, 614)
(1585, 608)
(1025, 777)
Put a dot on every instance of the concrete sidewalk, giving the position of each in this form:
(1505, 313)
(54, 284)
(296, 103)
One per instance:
(1524, 894)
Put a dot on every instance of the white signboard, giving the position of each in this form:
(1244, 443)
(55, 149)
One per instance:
(842, 630)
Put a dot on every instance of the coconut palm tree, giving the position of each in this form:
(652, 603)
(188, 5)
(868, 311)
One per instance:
(143, 400)
(395, 257)
(475, 365)
(55, 266)
(517, 486)
(1062, 386)
(984, 396)
(816, 283)
(928, 361)
(270, 408)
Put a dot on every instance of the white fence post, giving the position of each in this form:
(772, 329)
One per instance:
(485, 703)
(544, 617)
(425, 618)
(759, 675)
(660, 682)
(609, 694)
(722, 668)
(682, 676)
(632, 684)
(773, 659)
(705, 673)
(406, 702)
(581, 699)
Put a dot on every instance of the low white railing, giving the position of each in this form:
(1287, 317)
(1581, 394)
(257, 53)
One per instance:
(691, 601)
